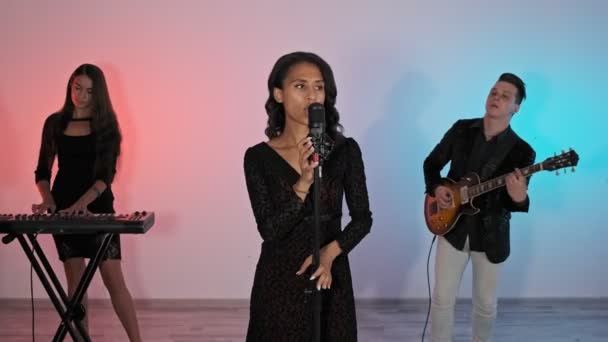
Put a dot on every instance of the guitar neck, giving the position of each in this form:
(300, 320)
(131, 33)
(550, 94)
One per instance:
(495, 183)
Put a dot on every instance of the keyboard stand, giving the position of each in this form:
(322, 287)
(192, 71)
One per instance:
(71, 310)
(25, 228)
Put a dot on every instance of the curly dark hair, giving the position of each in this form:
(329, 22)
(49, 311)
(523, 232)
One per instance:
(104, 124)
(275, 110)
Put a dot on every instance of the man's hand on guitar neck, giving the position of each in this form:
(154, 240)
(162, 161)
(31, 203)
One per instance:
(517, 186)
(444, 196)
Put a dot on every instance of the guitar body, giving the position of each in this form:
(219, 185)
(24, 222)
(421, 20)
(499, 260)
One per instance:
(441, 221)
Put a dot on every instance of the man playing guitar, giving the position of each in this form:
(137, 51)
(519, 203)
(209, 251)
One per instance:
(489, 147)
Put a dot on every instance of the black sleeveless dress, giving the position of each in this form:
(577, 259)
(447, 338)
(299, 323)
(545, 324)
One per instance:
(77, 172)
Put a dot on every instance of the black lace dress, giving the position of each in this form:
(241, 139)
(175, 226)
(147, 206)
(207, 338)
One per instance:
(280, 307)
(77, 171)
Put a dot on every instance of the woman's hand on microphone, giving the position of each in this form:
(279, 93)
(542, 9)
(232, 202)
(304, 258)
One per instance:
(307, 166)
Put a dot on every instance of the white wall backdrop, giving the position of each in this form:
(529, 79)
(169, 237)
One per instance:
(188, 81)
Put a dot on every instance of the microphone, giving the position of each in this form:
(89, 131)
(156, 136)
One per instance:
(316, 124)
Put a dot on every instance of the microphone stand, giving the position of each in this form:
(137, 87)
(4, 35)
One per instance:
(317, 122)
(316, 302)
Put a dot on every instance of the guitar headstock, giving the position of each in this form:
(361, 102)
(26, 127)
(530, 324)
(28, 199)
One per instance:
(566, 159)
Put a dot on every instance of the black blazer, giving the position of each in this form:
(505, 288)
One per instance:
(496, 206)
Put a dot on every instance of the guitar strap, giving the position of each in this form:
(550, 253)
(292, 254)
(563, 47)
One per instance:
(499, 155)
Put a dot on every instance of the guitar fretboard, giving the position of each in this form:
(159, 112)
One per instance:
(498, 182)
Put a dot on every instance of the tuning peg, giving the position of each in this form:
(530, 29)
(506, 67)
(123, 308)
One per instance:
(557, 173)
(573, 169)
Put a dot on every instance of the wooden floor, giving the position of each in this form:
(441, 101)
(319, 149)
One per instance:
(577, 320)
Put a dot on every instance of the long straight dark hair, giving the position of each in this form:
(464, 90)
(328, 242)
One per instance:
(104, 124)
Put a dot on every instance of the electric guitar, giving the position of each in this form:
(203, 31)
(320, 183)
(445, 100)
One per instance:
(441, 220)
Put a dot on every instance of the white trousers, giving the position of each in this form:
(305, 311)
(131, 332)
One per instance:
(450, 264)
